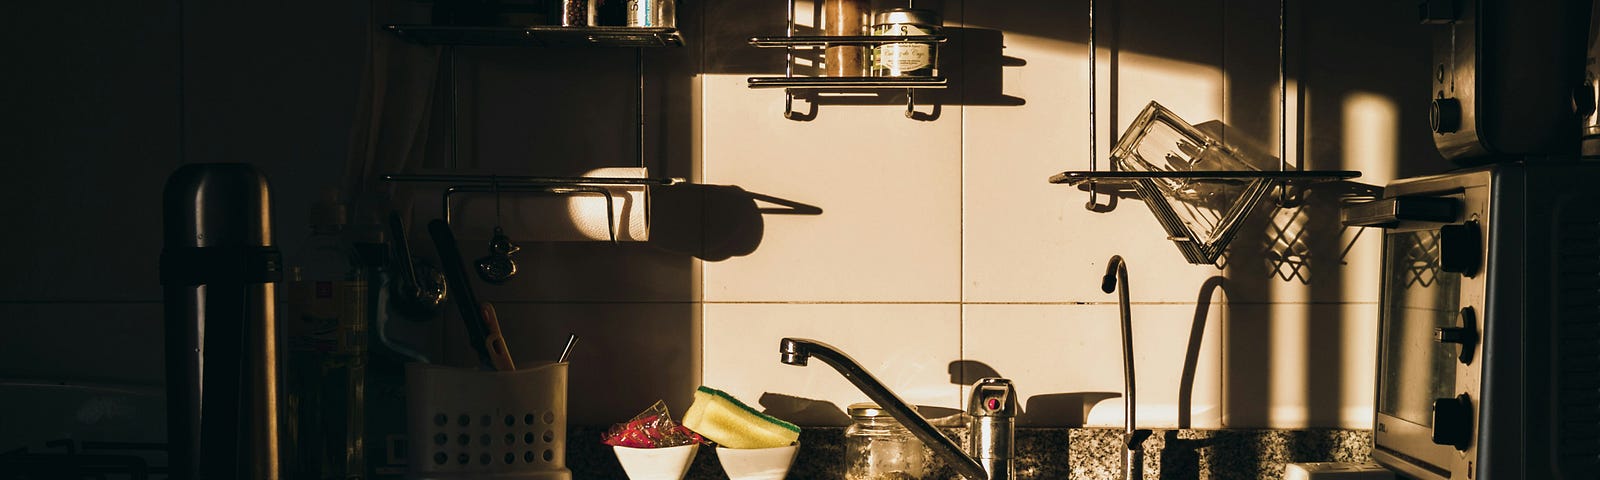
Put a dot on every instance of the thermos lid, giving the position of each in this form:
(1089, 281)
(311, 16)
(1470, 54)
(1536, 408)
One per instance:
(907, 16)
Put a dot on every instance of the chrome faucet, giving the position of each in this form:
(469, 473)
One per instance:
(993, 407)
(1116, 280)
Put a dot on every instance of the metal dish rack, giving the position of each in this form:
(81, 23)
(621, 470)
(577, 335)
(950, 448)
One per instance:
(1196, 251)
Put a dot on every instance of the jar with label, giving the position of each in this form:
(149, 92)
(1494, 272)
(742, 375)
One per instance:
(905, 59)
(877, 447)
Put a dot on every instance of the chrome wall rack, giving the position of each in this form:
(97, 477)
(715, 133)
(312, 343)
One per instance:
(803, 85)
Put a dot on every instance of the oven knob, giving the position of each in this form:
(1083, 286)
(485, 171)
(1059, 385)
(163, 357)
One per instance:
(1460, 248)
(1452, 422)
(1445, 116)
(1464, 334)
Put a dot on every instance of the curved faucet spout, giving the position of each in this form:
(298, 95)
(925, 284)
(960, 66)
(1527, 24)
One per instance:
(1116, 280)
(1114, 267)
(797, 351)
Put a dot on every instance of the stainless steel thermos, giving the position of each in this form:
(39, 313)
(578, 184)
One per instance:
(218, 266)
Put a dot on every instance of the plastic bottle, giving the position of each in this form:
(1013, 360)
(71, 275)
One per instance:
(325, 321)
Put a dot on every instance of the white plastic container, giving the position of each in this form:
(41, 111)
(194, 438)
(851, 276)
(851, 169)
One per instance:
(757, 463)
(469, 424)
(666, 463)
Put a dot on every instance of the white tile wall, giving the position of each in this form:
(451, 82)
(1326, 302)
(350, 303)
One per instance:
(1300, 365)
(1066, 361)
(889, 189)
(964, 223)
(911, 348)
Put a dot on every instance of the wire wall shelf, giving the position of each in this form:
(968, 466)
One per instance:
(805, 86)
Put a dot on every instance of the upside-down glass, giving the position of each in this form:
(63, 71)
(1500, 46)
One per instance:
(1201, 214)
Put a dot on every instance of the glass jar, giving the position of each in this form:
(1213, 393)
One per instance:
(877, 447)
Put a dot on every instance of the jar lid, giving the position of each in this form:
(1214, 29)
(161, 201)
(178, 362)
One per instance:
(908, 16)
(870, 410)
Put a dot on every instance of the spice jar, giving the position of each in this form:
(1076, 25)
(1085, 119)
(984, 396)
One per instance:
(877, 447)
(905, 59)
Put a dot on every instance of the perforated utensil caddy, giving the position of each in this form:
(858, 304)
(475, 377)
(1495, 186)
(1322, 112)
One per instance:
(469, 424)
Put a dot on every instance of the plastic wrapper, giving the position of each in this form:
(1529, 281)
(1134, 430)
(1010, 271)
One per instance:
(653, 428)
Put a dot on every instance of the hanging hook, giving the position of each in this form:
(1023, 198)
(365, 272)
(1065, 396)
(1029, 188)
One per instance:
(788, 105)
(911, 103)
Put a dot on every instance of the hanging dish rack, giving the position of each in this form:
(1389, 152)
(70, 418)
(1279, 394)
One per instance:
(794, 86)
(1199, 189)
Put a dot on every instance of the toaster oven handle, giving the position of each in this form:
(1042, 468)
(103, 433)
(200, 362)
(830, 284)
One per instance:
(1389, 212)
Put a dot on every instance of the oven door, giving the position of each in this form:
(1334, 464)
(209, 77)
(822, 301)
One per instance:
(1414, 369)
(1431, 321)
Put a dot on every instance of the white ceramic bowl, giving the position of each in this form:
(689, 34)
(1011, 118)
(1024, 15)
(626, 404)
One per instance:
(668, 463)
(757, 463)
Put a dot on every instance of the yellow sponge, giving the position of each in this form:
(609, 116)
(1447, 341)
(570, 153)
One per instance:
(729, 422)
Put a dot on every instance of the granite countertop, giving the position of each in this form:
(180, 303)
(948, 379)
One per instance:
(1056, 453)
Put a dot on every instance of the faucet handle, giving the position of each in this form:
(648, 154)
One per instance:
(992, 397)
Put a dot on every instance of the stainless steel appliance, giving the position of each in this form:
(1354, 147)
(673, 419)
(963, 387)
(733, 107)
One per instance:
(218, 266)
(1489, 344)
(1507, 77)
(1489, 347)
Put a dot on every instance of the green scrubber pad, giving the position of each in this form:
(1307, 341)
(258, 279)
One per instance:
(729, 422)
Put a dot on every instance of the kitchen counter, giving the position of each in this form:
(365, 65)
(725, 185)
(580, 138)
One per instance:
(1075, 453)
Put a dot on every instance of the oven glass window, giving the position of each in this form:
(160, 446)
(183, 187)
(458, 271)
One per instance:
(1417, 298)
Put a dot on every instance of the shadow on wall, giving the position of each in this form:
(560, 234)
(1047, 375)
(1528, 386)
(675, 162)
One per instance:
(715, 222)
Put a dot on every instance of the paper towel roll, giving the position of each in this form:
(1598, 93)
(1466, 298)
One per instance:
(563, 217)
(630, 207)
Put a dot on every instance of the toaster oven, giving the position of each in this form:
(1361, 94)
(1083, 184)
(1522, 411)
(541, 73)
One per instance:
(1489, 341)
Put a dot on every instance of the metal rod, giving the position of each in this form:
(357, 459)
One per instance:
(818, 41)
(567, 352)
(847, 82)
(455, 104)
(1283, 98)
(789, 55)
(611, 213)
(1283, 85)
(1075, 177)
(788, 66)
(639, 55)
(529, 180)
(1094, 196)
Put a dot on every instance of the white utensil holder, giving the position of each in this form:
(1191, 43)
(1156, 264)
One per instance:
(469, 424)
